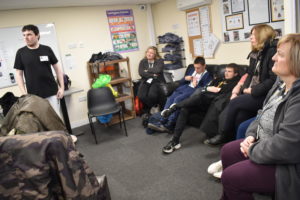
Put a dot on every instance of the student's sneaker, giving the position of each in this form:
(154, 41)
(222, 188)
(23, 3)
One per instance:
(171, 146)
(167, 112)
(74, 138)
(158, 127)
(215, 167)
(218, 175)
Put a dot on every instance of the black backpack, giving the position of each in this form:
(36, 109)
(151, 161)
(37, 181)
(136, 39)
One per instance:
(67, 82)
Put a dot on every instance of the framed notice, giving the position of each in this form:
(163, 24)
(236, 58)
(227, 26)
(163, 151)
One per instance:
(234, 22)
(277, 10)
(258, 12)
(237, 6)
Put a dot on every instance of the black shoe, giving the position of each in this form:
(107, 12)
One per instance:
(218, 139)
(167, 112)
(158, 128)
(171, 146)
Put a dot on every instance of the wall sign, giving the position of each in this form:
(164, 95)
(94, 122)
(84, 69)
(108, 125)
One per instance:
(122, 30)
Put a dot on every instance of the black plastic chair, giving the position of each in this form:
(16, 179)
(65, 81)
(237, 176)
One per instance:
(100, 102)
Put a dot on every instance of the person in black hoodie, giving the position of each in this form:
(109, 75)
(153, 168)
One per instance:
(247, 98)
(219, 88)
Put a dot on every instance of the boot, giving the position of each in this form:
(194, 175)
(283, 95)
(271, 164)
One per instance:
(218, 139)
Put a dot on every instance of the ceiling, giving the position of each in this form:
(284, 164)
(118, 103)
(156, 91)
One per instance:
(26, 4)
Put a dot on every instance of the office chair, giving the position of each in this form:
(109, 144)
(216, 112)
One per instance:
(100, 102)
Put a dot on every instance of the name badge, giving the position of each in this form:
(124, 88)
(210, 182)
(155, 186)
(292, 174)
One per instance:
(44, 58)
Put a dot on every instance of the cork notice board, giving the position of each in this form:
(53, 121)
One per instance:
(201, 41)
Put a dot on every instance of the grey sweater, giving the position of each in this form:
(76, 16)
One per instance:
(283, 147)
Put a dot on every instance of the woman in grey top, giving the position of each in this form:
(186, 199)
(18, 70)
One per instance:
(268, 159)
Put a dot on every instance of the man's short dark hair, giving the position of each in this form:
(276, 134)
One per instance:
(199, 60)
(233, 66)
(31, 27)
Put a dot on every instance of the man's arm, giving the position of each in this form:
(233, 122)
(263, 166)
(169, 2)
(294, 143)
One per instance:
(59, 74)
(20, 81)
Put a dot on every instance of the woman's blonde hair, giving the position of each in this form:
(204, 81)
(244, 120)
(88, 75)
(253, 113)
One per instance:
(294, 53)
(263, 33)
(157, 56)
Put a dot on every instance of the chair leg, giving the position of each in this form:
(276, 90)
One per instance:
(92, 128)
(120, 119)
(124, 123)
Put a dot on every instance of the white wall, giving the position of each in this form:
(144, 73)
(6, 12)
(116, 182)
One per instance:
(87, 25)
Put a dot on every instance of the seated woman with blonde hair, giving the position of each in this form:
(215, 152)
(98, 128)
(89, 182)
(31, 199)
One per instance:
(268, 159)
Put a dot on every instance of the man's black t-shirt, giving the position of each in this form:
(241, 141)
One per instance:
(36, 64)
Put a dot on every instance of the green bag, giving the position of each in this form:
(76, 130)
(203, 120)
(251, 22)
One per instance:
(102, 81)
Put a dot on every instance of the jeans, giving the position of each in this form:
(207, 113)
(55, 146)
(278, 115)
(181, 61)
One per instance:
(241, 132)
(177, 96)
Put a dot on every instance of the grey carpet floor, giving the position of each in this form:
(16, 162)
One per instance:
(137, 169)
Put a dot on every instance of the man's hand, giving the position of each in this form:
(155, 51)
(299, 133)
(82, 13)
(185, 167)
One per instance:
(188, 78)
(213, 89)
(245, 145)
(60, 93)
(233, 95)
(247, 91)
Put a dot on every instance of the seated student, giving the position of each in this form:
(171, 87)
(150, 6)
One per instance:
(218, 89)
(195, 77)
(214, 115)
(268, 159)
(151, 70)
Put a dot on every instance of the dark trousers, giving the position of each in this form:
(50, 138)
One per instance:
(149, 94)
(194, 104)
(238, 110)
(241, 177)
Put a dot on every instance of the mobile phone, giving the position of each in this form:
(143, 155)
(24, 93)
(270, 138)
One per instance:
(12, 78)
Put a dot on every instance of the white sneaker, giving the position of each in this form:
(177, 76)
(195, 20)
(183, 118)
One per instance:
(215, 167)
(218, 174)
(74, 138)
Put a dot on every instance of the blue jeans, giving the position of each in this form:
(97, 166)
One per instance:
(177, 96)
(241, 132)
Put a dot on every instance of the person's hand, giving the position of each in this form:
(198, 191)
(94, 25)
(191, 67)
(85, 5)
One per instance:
(194, 81)
(236, 89)
(60, 93)
(245, 145)
(233, 95)
(188, 78)
(213, 89)
(247, 90)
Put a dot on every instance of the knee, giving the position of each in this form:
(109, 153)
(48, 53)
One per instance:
(152, 95)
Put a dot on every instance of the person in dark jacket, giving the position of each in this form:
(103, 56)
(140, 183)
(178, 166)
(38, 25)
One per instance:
(151, 71)
(247, 98)
(268, 159)
(219, 88)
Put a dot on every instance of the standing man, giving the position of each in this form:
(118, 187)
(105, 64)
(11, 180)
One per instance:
(34, 61)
